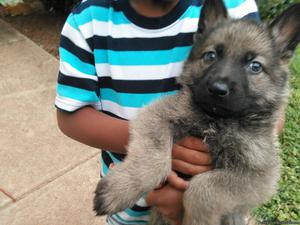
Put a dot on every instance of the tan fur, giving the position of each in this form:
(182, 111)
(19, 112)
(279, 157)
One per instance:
(243, 145)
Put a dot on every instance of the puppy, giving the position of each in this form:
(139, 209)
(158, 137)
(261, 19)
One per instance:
(234, 84)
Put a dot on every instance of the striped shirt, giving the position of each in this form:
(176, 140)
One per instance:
(117, 61)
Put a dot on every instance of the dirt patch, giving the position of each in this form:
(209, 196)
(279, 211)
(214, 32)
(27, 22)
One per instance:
(42, 28)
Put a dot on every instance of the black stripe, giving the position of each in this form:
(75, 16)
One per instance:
(139, 86)
(156, 22)
(113, 115)
(197, 2)
(118, 156)
(253, 16)
(106, 158)
(82, 54)
(140, 208)
(83, 83)
(111, 3)
(141, 44)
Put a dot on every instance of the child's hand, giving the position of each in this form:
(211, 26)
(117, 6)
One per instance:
(168, 201)
(191, 157)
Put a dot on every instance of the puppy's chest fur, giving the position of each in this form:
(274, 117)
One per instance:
(230, 143)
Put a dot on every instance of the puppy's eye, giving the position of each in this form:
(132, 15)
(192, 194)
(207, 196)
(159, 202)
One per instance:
(209, 57)
(255, 67)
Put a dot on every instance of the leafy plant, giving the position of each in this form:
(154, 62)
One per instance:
(269, 9)
(10, 2)
(285, 206)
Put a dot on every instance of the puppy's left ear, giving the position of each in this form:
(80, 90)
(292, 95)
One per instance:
(286, 31)
(213, 12)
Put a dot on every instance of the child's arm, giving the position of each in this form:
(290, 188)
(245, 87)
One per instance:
(95, 129)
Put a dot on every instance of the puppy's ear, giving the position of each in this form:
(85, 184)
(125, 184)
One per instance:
(213, 11)
(286, 31)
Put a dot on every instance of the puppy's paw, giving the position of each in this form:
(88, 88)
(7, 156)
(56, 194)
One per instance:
(118, 190)
(105, 201)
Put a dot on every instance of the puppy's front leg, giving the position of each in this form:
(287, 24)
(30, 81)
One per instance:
(146, 165)
(219, 192)
(148, 161)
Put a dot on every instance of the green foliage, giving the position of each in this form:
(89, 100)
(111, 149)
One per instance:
(10, 2)
(269, 9)
(59, 5)
(285, 206)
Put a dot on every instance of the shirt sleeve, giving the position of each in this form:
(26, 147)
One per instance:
(77, 84)
(243, 9)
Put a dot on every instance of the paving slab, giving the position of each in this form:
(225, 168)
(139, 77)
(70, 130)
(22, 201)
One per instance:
(4, 200)
(8, 34)
(65, 201)
(98, 221)
(24, 65)
(33, 152)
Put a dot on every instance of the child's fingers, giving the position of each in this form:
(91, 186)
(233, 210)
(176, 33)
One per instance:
(193, 143)
(150, 199)
(191, 156)
(189, 169)
(177, 182)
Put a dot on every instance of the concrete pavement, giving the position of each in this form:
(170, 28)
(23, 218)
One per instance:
(51, 177)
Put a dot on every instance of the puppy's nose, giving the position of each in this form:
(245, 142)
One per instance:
(218, 88)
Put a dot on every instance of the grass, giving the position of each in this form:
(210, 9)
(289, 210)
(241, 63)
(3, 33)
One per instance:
(285, 205)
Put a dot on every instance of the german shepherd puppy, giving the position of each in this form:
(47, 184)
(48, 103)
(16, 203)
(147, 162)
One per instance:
(234, 84)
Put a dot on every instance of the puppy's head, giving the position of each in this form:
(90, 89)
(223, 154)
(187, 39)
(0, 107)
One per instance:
(237, 68)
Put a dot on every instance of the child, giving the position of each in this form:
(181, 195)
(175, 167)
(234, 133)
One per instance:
(117, 56)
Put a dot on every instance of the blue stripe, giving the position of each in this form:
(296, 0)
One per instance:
(131, 100)
(131, 58)
(77, 93)
(133, 213)
(118, 218)
(104, 167)
(192, 12)
(100, 14)
(114, 159)
(75, 62)
(112, 221)
(70, 20)
(117, 17)
(231, 4)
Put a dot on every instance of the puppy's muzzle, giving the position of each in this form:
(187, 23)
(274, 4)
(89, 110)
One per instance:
(218, 88)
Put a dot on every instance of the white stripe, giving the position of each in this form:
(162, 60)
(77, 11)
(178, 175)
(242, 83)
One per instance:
(71, 105)
(249, 6)
(139, 72)
(127, 217)
(186, 25)
(124, 112)
(75, 36)
(141, 202)
(70, 71)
